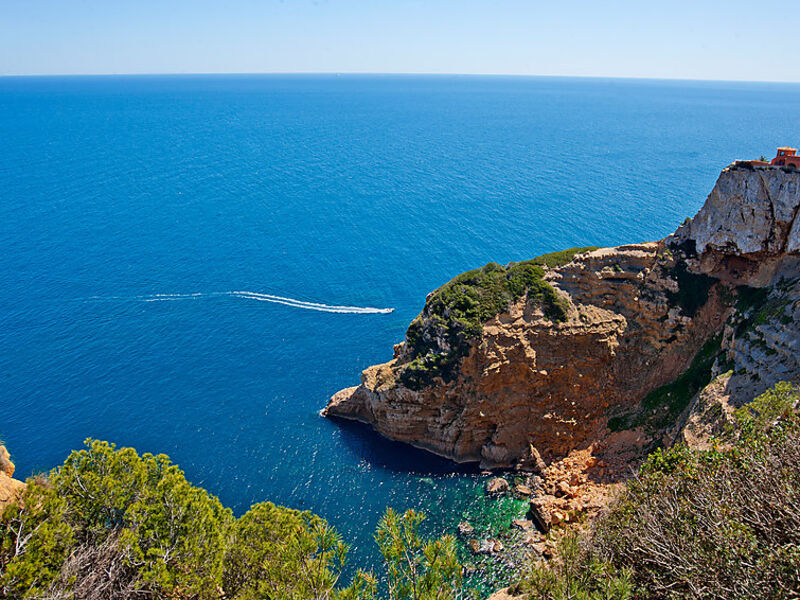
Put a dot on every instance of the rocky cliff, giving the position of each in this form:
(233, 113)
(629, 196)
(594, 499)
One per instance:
(9, 487)
(601, 352)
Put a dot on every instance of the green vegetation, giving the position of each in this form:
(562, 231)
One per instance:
(455, 313)
(112, 524)
(721, 523)
(259, 563)
(576, 573)
(758, 306)
(748, 297)
(106, 510)
(417, 568)
(557, 259)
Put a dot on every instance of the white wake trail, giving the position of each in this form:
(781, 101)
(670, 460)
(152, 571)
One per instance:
(258, 296)
(168, 297)
(360, 310)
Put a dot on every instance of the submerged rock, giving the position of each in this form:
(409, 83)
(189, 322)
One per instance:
(465, 529)
(523, 490)
(489, 546)
(523, 524)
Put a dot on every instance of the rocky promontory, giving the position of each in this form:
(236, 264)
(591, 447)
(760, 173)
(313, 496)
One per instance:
(597, 355)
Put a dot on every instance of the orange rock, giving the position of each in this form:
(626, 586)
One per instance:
(609, 352)
(10, 489)
(563, 489)
(523, 490)
(496, 486)
(523, 524)
(533, 393)
(6, 466)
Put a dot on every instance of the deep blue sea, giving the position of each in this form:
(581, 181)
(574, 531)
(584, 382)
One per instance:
(131, 207)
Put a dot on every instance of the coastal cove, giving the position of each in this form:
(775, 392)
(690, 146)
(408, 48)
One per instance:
(359, 192)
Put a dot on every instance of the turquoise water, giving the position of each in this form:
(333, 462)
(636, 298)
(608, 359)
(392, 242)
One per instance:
(132, 209)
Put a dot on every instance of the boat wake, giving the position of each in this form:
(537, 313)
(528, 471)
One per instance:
(247, 295)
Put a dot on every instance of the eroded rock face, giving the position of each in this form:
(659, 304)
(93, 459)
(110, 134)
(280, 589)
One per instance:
(531, 391)
(761, 346)
(747, 225)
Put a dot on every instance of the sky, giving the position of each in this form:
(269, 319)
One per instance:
(674, 39)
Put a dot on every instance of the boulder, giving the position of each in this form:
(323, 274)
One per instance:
(10, 489)
(495, 546)
(532, 538)
(541, 513)
(485, 546)
(504, 595)
(564, 489)
(523, 490)
(523, 524)
(497, 486)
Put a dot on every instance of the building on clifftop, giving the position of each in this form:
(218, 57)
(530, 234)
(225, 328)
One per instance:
(786, 157)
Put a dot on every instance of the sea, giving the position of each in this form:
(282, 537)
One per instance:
(192, 265)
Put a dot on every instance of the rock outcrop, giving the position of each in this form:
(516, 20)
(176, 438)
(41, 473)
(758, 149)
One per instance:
(10, 488)
(719, 295)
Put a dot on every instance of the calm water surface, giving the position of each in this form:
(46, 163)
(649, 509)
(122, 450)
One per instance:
(131, 206)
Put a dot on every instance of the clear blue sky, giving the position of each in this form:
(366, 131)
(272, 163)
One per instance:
(695, 39)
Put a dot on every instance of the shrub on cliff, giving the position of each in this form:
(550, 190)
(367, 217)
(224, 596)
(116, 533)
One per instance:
(723, 523)
(576, 573)
(455, 313)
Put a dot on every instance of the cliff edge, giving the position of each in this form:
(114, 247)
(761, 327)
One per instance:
(601, 352)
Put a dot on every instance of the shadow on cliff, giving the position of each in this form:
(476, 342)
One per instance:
(381, 453)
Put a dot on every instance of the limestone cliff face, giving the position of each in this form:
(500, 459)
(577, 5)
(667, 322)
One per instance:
(747, 227)
(9, 487)
(531, 389)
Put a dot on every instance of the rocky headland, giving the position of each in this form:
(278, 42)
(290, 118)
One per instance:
(574, 365)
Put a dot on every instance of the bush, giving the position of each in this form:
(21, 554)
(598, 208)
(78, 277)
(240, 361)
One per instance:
(417, 569)
(158, 535)
(112, 524)
(279, 553)
(575, 574)
(456, 312)
(722, 523)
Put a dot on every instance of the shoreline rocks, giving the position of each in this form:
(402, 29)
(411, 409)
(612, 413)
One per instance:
(497, 486)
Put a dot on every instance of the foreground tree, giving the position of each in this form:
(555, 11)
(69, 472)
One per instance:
(112, 524)
(284, 554)
(417, 569)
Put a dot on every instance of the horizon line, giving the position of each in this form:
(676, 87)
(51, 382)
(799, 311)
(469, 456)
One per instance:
(395, 73)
